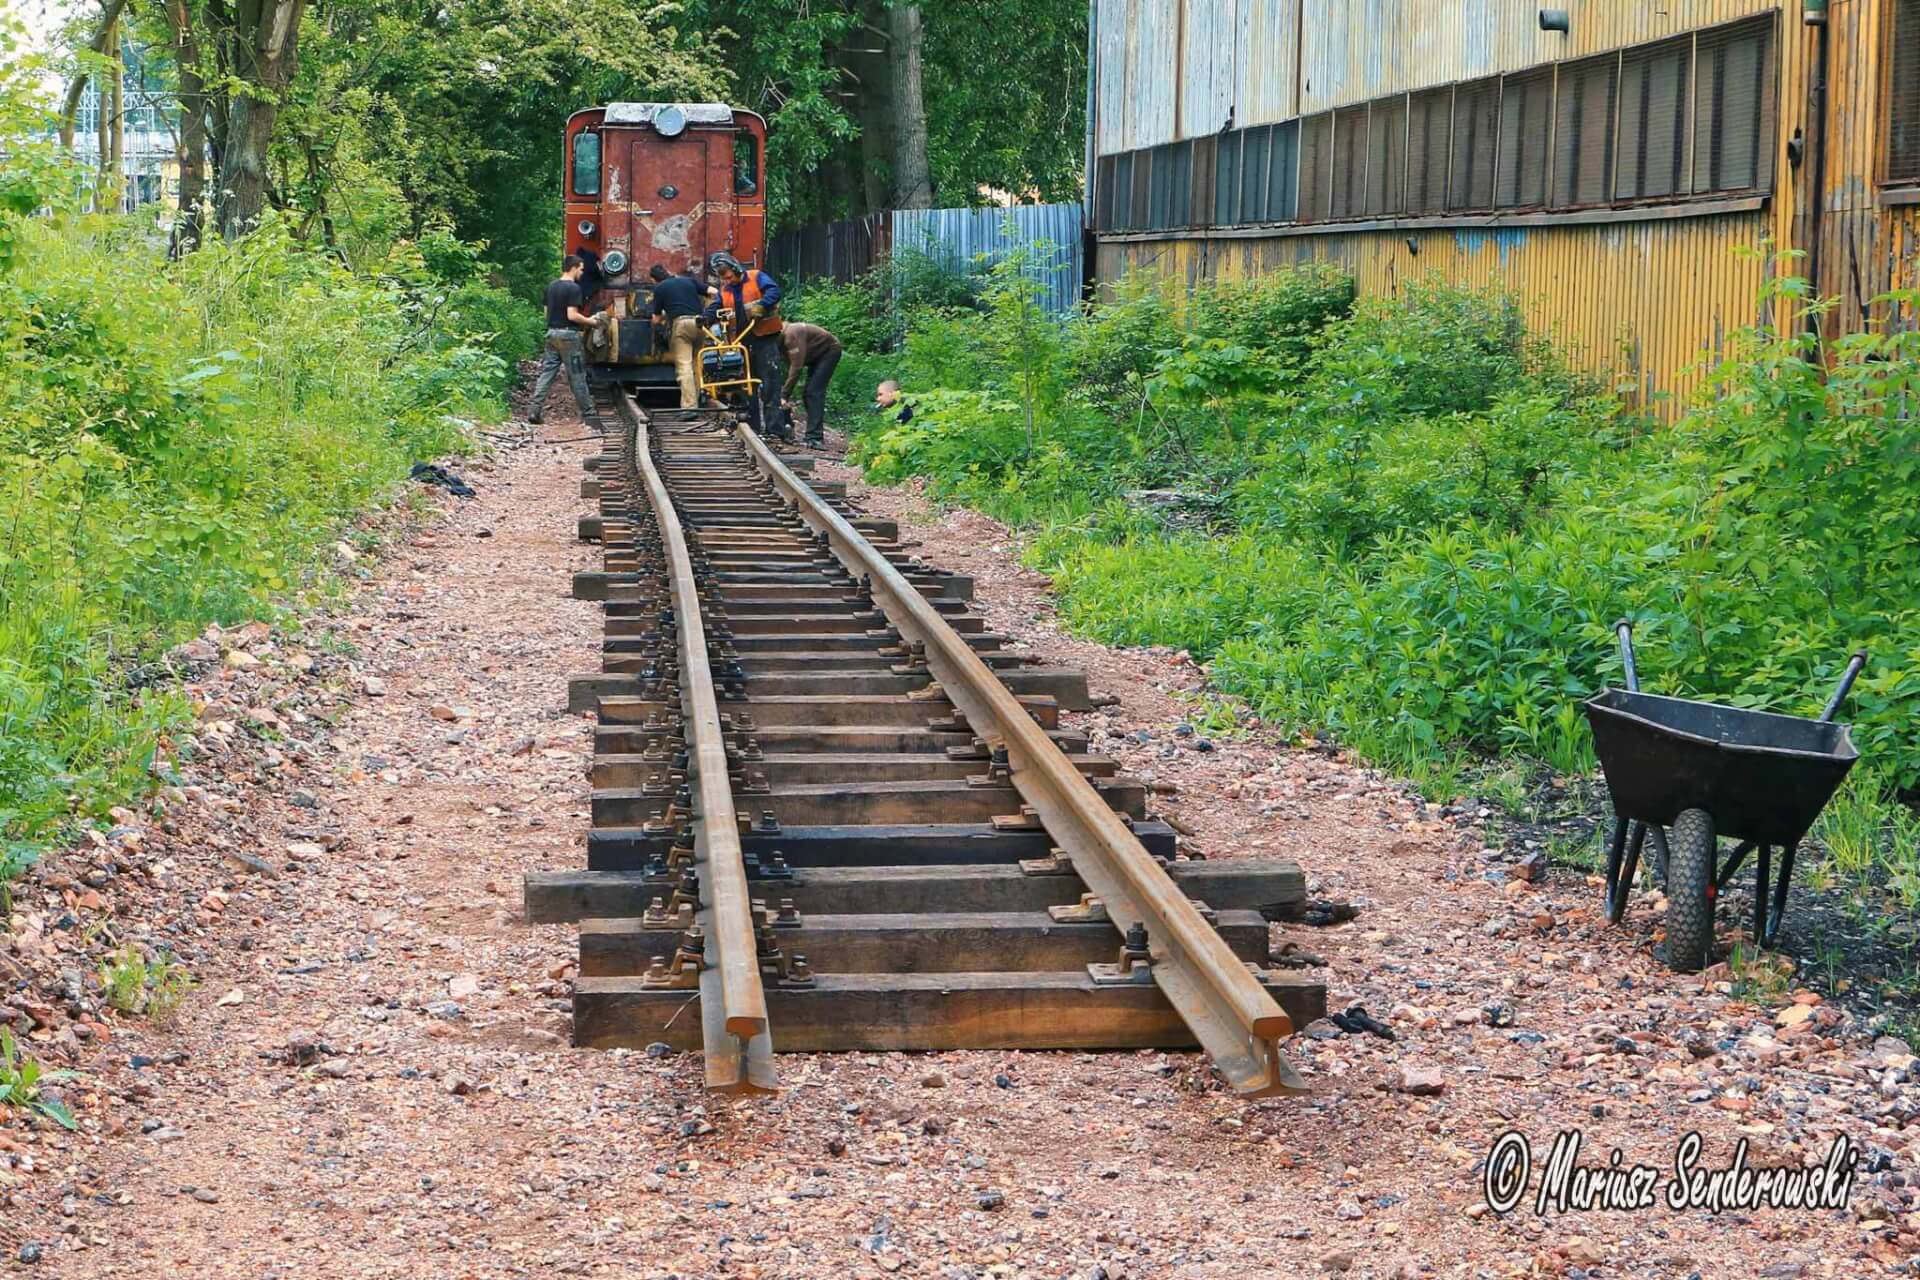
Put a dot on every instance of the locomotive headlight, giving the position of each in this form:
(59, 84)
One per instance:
(615, 262)
(670, 121)
(586, 227)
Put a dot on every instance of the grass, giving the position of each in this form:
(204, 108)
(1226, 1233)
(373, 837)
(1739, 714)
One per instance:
(183, 443)
(133, 984)
(1405, 525)
(23, 1083)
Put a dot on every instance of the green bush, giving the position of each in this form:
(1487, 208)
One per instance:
(1415, 524)
(179, 443)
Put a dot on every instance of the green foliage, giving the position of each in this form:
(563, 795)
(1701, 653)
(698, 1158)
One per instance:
(134, 984)
(23, 1082)
(1407, 524)
(179, 442)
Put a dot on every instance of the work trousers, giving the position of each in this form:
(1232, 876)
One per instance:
(683, 343)
(763, 354)
(563, 348)
(819, 374)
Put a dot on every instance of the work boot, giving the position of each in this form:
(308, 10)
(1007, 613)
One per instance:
(816, 441)
(533, 419)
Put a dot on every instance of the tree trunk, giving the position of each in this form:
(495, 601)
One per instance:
(266, 55)
(912, 182)
(192, 138)
(77, 87)
(116, 107)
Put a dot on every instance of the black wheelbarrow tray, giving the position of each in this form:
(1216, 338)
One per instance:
(1685, 773)
(1763, 777)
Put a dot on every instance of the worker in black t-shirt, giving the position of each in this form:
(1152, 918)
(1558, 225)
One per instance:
(564, 321)
(677, 304)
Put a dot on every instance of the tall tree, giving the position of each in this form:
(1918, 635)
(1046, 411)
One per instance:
(98, 43)
(190, 139)
(259, 42)
(912, 181)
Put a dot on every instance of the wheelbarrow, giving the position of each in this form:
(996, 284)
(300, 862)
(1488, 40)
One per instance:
(1683, 773)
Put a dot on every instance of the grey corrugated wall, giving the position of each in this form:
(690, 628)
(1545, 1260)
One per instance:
(961, 236)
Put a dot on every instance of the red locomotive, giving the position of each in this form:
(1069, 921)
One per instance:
(666, 182)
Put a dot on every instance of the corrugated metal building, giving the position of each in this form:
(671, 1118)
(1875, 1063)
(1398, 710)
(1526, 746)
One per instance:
(1605, 172)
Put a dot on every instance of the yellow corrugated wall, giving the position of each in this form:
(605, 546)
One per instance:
(1642, 302)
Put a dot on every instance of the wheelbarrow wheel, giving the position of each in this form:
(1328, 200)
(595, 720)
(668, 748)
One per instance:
(1690, 859)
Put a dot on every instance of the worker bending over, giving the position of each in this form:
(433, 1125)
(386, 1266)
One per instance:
(677, 304)
(812, 348)
(749, 301)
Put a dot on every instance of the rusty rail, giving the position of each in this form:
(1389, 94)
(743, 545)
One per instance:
(733, 1004)
(1234, 1018)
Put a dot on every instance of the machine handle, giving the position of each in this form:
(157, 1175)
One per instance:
(1854, 667)
(1624, 629)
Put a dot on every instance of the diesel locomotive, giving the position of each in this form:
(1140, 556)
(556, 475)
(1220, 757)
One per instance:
(666, 182)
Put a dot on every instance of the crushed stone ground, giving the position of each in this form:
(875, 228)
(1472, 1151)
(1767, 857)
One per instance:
(373, 1077)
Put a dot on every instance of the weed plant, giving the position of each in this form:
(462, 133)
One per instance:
(132, 983)
(1407, 523)
(179, 443)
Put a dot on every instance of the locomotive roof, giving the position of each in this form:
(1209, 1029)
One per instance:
(643, 112)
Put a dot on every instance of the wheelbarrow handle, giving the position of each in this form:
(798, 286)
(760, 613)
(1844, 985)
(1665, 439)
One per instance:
(1624, 629)
(1854, 666)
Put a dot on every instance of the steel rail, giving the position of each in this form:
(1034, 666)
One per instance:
(738, 1049)
(1234, 1018)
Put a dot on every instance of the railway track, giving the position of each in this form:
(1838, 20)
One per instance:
(832, 811)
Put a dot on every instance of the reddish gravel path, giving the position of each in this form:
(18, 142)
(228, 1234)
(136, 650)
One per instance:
(435, 1123)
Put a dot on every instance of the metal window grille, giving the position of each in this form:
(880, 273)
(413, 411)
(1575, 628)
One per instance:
(1142, 216)
(1316, 166)
(1387, 157)
(1255, 156)
(1103, 193)
(1122, 216)
(1226, 176)
(1203, 165)
(1160, 197)
(1181, 202)
(1585, 103)
(1429, 132)
(1652, 159)
(1283, 172)
(1526, 137)
(1734, 107)
(1349, 198)
(1903, 93)
(1476, 144)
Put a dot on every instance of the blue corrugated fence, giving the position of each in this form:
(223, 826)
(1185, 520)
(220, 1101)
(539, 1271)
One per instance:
(973, 239)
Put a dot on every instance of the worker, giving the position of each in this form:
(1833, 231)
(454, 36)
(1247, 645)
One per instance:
(749, 301)
(886, 396)
(565, 319)
(812, 348)
(677, 304)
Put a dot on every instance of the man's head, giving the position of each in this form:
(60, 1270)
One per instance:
(726, 267)
(657, 273)
(571, 266)
(886, 395)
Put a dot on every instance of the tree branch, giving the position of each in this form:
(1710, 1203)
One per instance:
(77, 87)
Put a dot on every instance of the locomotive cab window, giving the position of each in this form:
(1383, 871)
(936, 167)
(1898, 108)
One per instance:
(746, 165)
(586, 164)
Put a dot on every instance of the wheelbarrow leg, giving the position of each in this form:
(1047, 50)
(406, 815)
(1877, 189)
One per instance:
(1658, 835)
(1620, 869)
(1772, 933)
(1762, 884)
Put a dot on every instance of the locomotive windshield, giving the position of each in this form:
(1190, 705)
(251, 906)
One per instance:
(586, 164)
